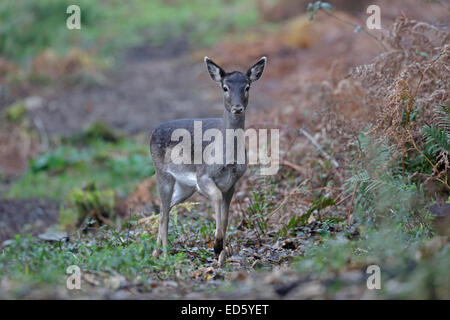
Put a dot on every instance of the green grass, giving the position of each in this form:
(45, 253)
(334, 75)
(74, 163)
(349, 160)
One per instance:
(29, 26)
(125, 251)
(29, 261)
(118, 166)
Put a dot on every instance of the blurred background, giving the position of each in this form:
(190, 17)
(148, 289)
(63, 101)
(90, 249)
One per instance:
(77, 106)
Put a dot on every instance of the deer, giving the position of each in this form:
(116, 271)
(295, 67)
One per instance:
(217, 182)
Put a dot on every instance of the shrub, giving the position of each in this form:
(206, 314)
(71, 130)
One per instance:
(92, 206)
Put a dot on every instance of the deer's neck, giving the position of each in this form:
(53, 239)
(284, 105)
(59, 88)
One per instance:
(232, 121)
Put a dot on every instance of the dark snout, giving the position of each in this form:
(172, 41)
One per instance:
(237, 109)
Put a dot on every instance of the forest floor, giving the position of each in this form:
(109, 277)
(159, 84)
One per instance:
(147, 89)
(275, 221)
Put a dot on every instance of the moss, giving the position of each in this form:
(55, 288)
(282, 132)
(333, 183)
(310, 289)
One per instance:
(16, 112)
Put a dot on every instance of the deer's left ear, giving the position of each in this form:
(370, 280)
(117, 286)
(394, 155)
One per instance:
(255, 72)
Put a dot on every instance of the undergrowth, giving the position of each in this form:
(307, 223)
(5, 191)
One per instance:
(29, 261)
(395, 170)
(116, 164)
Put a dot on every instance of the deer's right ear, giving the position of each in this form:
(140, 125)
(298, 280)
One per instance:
(216, 72)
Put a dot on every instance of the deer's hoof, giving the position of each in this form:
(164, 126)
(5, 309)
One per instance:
(218, 247)
(221, 259)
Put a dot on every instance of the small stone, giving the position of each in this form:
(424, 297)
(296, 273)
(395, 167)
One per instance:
(310, 290)
(171, 284)
(33, 103)
(53, 236)
(7, 243)
(114, 283)
(257, 264)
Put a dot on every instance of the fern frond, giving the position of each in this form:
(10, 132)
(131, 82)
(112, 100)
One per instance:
(443, 117)
(436, 139)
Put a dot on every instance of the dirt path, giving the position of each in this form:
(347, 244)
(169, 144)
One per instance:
(153, 85)
(32, 216)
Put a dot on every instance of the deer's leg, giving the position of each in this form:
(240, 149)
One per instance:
(165, 189)
(209, 188)
(225, 208)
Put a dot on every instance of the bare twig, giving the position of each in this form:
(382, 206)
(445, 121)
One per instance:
(287, 197)
(293, 166)
(422, 73)
(104, 219)
(343, 199)
(307, 135)
(319, 147)
(356, 26)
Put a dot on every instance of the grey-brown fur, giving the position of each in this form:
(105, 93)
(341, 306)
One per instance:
(177, 182)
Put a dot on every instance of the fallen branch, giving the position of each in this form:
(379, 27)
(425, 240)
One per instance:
(357, 27)
(319, 147)
(293, 166)
(288, 196)
(307, 135)
(148, 219)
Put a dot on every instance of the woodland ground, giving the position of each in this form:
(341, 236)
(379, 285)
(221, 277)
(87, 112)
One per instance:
(75, 162)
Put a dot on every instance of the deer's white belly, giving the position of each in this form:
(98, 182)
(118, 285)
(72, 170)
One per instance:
(185, 186)
(186, 178)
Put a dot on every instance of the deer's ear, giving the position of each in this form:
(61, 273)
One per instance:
(216, 72)
(255, 72)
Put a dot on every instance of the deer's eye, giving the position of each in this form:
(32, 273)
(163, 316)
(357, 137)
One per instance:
(225, 89)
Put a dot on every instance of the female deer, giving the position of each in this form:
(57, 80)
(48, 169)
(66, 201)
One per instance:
(216, 181)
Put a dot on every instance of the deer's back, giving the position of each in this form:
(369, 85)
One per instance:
(161, 138)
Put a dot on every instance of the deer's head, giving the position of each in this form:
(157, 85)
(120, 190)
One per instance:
(235, 85)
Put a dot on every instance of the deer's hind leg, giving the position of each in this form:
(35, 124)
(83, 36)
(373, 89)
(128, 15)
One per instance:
(165, 188)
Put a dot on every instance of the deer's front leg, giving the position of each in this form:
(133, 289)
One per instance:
(225, 209)
(219, 236)
(225, 206)
(209, 188)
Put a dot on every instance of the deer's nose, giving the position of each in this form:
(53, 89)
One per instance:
(237, 109)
